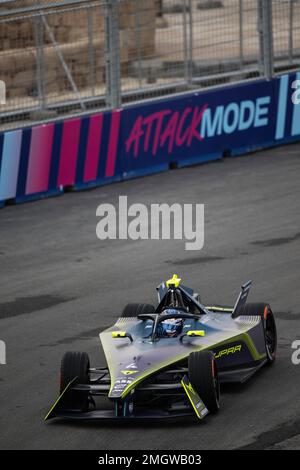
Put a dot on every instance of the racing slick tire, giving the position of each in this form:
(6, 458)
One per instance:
(133, 310)
(203, 375)
(264, 310)
(75, 364)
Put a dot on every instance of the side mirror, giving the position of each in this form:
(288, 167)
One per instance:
(193, 334)
(121, 334)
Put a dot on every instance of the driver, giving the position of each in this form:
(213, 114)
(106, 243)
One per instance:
(171, 327)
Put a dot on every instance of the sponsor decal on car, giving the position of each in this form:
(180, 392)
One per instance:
(228, 351)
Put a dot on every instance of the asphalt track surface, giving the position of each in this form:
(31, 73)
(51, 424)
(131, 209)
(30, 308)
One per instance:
(60, 286)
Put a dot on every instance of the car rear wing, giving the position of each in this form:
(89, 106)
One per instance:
(241, 300)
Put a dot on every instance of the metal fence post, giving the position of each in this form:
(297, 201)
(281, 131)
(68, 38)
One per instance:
(39, 32)
(185, 42)
(241, 32)
(91, 51)
(187, 23)
(266, 37)
(260, 37)
(191, 45)
(112, 55)
(138, 38)
(291, 27)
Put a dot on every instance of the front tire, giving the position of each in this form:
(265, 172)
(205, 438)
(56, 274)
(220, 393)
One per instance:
(203, 375)
(75, 364)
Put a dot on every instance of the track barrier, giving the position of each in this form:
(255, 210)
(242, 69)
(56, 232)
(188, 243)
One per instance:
(196, 127)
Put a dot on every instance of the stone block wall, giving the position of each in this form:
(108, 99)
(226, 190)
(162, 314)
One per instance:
(70, 29)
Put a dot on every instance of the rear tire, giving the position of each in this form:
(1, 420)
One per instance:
(75, 364)
(133, 310)
(203, 375)
(264, 311)
(270, 336)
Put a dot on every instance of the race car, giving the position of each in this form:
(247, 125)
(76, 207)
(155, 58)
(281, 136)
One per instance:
(168, 361)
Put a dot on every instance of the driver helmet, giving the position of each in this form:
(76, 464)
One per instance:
(170, 328)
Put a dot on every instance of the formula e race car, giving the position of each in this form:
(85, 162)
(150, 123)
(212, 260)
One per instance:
(168, 361)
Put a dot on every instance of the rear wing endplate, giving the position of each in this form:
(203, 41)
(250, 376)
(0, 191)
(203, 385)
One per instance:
(241, 300)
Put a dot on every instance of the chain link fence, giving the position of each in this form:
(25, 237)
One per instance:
(71, 56)
(52, 57)
(191, 46)
(286, 31)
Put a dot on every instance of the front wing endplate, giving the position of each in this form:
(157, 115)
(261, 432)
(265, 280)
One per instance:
(196, 402)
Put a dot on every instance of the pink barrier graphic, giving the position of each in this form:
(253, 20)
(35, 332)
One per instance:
(69, 153)
(40, 159)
